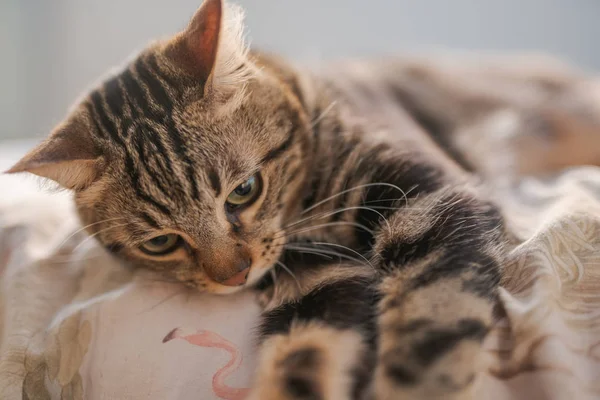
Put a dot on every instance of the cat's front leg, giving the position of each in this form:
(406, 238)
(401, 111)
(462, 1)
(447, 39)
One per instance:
(441, 256)
(319, 342)
(311, 361)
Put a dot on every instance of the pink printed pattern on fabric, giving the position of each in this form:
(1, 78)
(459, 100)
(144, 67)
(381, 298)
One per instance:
(204, 338)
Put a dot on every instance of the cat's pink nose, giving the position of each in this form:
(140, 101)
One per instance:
(239, 278)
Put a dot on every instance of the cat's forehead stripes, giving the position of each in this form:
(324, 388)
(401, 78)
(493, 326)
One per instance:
(215, 181)
(134, 111)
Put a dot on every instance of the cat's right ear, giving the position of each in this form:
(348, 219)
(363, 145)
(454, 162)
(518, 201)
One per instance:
(68, 157)
(195, 49)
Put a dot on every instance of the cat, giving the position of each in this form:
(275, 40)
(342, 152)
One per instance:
(338, 194)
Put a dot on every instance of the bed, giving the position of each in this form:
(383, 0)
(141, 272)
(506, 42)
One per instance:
(77, 325)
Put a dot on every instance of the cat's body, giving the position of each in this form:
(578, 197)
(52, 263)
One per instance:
(419, 252)
(347, 197)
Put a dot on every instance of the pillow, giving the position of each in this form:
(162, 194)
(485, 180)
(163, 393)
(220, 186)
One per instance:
(77, 325)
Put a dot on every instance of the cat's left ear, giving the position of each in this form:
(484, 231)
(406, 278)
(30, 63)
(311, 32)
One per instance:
(68, 157)
(195, 49)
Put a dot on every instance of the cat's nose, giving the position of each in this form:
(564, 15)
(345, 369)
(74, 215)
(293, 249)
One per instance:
(240, 277)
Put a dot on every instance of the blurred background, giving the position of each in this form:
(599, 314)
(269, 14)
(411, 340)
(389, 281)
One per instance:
(51, 51)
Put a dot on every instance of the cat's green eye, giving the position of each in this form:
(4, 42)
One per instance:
(244, 193)
(161, 245)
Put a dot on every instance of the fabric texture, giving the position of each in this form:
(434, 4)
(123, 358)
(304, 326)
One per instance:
(75, 324)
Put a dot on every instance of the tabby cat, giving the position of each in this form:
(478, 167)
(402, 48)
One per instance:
(224, 168)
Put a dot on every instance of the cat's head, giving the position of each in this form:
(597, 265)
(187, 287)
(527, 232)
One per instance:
(190, 160)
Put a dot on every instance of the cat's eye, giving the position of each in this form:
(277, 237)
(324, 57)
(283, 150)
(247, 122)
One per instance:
(161, 245)
(245, 193)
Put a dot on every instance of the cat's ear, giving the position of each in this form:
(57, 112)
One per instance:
(195, 49)
(68, 157)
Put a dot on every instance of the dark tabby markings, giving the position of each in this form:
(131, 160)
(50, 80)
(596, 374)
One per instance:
(437, 342)
(155, 108)
(155, 68)
(399, 254)
(102, 121)
(293, 175)
(100, 132)
(439, 129)
(301, 380)
(302, 388)
(214, 180)
(279, 150)
(114, 97)
(411, 177)
(315, 171)
(139, 100)
(413, 326)
(429, 344)
(330, 304)
(155, 87)
(401, 374)
(449, 265)
(135, 92)
(306, 358)
(483, 284)
(149, 220)
(341, 162)
(362, 373)
(114, 247)
(461, 230)
(134, 176)
(145, 165)
(313, 191)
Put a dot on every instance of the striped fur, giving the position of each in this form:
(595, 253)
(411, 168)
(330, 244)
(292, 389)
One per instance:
(376, 255)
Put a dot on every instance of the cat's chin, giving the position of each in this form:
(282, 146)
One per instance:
(219, 289)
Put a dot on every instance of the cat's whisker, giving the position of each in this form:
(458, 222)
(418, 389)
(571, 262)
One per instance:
(329, 257)
(395, 199)
(324, 225)
(85, 227)
(346, 248)
(396, 208)
(328, 214)
(322, 252)
(306, 219)
(167, 298)
(282, 265)
(70, 259)
(323, 114)
(336, 211)
(96, 234)
(273, 276)
(366, 185)
(332, 212)
(157, 278)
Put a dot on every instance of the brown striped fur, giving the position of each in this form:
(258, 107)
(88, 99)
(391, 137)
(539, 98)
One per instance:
(377, 255)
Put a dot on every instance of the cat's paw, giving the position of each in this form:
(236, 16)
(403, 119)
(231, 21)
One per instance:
(396, 382)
